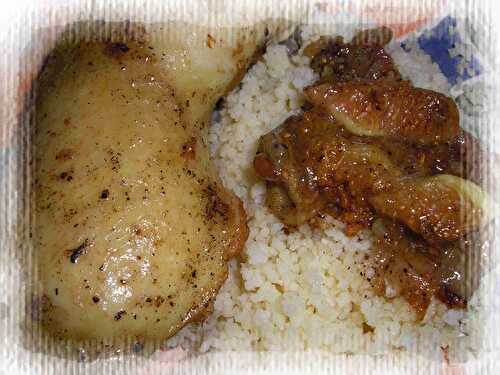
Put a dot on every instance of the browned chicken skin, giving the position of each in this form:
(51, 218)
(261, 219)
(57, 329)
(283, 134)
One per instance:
(379, 153)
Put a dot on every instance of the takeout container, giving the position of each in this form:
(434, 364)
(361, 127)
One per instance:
(30, 30)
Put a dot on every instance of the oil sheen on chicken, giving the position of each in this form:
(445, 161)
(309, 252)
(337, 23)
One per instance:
(133, 228)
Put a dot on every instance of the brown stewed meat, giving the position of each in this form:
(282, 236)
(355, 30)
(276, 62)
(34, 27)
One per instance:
(362, 58)
(389, 109)
(378, 153)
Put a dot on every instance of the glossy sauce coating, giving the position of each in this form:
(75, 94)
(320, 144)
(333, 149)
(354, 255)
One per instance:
(314, 166)
(378, 153)
(389, 109)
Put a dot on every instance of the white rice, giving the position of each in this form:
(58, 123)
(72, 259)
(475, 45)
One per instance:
(308, 289)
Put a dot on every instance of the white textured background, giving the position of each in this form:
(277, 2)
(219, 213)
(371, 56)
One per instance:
(28, 30)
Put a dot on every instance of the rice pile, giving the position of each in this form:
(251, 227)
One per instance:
(307, 289)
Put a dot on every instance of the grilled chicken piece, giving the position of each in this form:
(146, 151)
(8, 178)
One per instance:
(133, 228)
(389, 109)
(362, 58)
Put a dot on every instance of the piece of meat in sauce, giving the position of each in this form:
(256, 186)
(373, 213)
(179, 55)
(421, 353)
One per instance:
(439, 208)
(474, 161)
(417, 271)
(371, 148)
(309, 163)
(362, 58)
(312, 164)
(389, 109)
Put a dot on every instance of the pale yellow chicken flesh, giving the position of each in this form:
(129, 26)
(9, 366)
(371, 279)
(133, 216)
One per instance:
(133, 229)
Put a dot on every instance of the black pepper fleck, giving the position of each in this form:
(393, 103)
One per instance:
(119, 314)
(75, 253)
